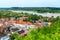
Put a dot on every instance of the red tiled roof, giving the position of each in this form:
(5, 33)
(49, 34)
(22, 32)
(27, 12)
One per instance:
(6, 23)
(39, 24)
(1, 28)
(21, 22)
(29, 23)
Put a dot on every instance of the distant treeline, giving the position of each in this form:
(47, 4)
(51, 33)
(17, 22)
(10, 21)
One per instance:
(38, 9)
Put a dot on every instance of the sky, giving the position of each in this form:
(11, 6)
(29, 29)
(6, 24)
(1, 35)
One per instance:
(29, 3)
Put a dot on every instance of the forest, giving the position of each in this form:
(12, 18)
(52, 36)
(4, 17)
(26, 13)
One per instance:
(38, 9)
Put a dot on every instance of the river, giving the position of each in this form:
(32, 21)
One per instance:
(43, 14)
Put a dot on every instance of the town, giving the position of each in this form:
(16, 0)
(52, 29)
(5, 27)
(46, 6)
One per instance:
(10, 25)
(13, 24)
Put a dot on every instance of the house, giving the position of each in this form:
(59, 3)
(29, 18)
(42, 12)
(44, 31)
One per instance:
(24, 17)
(1, 27)
(41, 19)
(51, 19)
(38, 24)
(21, 22)
(5, 23)
(2, 19)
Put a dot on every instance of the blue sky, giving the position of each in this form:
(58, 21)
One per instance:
(29, 3)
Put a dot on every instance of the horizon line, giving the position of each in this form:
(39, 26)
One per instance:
(31, 7)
